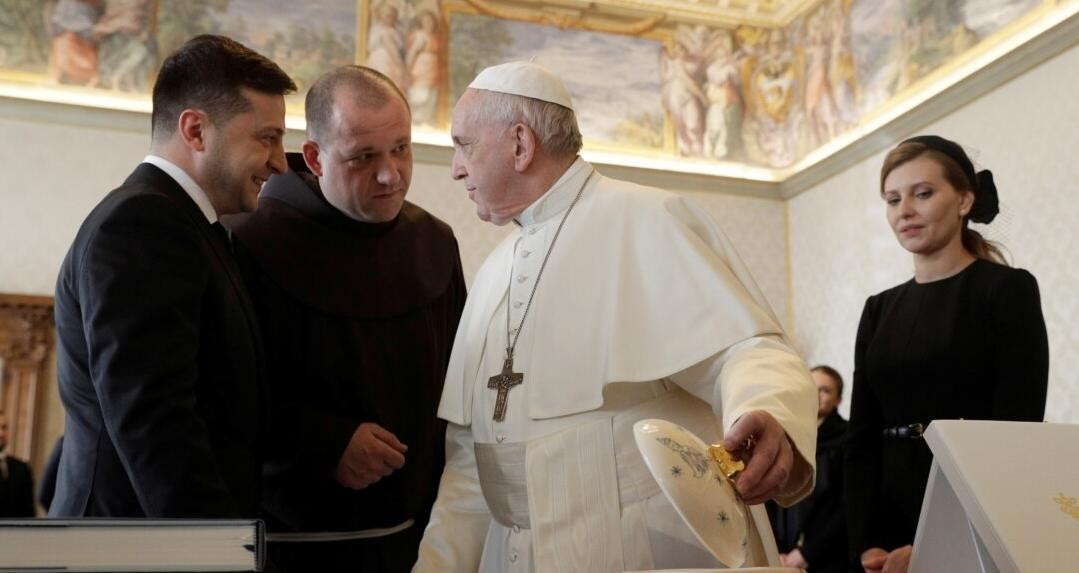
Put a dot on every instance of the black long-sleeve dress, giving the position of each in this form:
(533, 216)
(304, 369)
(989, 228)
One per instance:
(970, 346)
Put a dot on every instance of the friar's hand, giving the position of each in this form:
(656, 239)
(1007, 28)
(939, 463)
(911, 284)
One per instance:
(758, 439)
(793, 559)
(873, 560)
(898, 560)
(372, 454)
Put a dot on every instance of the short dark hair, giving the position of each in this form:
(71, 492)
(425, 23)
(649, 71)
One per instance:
(369, 86)
(833, 374)
(207, 73)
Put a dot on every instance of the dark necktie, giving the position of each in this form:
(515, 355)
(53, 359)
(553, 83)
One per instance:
(223, 233)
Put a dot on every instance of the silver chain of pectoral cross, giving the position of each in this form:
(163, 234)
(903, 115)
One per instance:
(510, 347)
(507, 379)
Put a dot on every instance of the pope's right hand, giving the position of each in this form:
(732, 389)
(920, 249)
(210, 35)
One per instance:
(372, 454)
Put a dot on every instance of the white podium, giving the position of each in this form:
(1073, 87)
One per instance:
(1002, 497)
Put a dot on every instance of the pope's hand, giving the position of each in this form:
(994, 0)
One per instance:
(758, 438)
(372, 454)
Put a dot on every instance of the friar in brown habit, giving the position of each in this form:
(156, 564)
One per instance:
(359, 293)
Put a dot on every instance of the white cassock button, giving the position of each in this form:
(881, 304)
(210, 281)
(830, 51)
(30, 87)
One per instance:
(532, 231)
(525, 253)
(521, 278)
(517, 304)
(501, 438)
(513, 558)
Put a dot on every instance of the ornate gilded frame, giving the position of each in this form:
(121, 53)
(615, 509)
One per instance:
(27, 337)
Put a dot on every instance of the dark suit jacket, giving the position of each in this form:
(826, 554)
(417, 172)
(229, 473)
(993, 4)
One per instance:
(817, 526)
(46, 488)
(159, 363)
(16, 490)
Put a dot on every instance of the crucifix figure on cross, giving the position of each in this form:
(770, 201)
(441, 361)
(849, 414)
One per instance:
(504, 382)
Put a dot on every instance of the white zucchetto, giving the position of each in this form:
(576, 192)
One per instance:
(523, 79)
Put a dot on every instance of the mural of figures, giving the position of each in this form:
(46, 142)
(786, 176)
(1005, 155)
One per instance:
(875, 38)
(613, 79)
(422, 61)
(99, 43)
(128, 48)
(758, 95)
(723, 120)
(702, 91)
(820, 107)
(386, 42)
(683, 96)
(933, 33)
(985, 17)
(841, 67)
(306, 39)
(74, 42)
(24, 41)
(772, 132)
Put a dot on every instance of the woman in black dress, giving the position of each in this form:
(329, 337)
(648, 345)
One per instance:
(964, 338)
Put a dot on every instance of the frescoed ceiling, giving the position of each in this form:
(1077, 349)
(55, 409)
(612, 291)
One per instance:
(760, 92)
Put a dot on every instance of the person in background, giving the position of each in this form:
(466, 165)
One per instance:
(16, 482)
(812, 534)
(964, 338)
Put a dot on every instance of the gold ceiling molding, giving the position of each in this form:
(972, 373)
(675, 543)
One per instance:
(721, 13)
(26, 341)
(566, 19)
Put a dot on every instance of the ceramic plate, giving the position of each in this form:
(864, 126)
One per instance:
(681, 464)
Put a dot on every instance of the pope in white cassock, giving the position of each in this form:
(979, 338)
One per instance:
(611, 303)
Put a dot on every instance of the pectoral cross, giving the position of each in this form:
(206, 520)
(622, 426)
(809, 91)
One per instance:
(504, 382)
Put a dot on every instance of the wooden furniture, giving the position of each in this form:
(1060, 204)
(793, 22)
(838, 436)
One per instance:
(26, 340)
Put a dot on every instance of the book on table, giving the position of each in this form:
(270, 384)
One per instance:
(1001, 498)
(105, 544)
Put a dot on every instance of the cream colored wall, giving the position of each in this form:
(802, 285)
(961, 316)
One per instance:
(55, 173)
(52, 176)
(1027, 133)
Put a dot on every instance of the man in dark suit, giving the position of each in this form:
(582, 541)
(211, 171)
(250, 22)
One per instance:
(159, 359)
(16, 485)
(812, 534)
